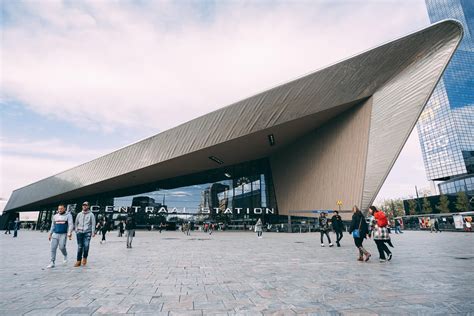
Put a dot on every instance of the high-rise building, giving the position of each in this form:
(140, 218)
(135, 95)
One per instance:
(446, 127)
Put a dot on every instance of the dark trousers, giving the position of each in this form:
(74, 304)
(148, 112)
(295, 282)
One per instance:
(103, 235)
(338, 235)
(382, 248)
(358, 242)
(83, 242)
(15, 233)
(325, 232)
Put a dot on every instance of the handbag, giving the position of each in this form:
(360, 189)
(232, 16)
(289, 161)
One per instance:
(356, 232)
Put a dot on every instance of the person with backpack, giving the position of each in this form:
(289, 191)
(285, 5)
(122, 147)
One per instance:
(324, 229)
(379, 231)
(359, 231)
(130, 227)
(338, 227)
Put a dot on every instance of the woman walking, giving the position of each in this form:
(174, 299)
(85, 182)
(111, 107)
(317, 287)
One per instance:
(259, 228)
(379, 231)
(359, 230)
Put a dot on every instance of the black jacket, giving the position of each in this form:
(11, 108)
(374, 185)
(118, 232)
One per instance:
(337, 224)
(130, 224)
(323, 224)
(358, 219)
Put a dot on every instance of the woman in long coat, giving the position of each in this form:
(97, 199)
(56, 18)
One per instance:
(359, 231)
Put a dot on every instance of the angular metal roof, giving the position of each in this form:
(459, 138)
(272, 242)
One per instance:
(238, 132)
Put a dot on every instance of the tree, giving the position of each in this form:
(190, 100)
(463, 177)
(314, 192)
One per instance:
(412, 206)
(462, 202)
(425, 192)
(443, 205)
(427, 206)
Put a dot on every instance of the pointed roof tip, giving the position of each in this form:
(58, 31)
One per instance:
(451, 22)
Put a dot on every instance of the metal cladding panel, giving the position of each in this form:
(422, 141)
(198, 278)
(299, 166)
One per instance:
(325, 166)
(353, 79)
(396, 108)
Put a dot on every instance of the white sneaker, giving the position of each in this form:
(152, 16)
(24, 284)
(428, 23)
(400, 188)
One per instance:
(51, 265)
(382, 260)
(65, 260)
(322, 245)
(331, 245)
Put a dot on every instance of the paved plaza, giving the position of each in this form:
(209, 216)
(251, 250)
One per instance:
(235, 273)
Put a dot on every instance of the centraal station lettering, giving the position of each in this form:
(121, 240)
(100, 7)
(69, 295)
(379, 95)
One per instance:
(175, 210)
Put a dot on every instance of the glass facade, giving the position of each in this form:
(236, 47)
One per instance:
(233, 196)
(458, 185)
(445, 127)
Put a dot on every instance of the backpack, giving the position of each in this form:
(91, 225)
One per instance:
(381, 219)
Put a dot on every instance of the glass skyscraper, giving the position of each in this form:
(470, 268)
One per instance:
(446, 127)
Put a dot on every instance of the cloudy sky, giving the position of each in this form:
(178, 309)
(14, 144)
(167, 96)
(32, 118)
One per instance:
(82, 78)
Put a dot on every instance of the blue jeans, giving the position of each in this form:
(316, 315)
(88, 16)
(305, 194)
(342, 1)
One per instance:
(83, 241)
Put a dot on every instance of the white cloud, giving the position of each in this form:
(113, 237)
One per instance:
(53, 147)
(110, 65)
(116, 65)
(18, 170)
(23, 162)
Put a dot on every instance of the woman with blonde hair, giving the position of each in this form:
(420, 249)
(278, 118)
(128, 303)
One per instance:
(359, 230)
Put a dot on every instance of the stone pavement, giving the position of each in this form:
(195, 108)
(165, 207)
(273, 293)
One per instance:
(235, 273)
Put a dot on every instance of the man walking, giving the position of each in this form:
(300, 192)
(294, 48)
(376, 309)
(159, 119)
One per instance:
(397, 227)
(324, 228)
(61, 228)
(16, 227)
(338, 227)
(85, 225)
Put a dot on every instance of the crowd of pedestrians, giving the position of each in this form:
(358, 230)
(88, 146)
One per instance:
(85, 227)
(374, 227)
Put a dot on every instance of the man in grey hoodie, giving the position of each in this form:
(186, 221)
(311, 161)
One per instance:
(85, 229)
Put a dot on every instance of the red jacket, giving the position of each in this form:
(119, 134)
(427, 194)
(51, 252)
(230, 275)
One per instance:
(381, 219)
